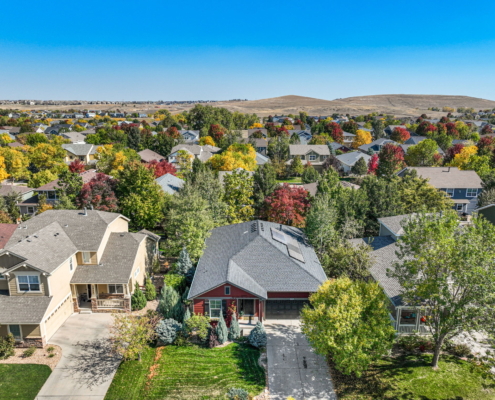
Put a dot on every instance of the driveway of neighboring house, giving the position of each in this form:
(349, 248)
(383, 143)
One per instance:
(294, 369)
(87, 366)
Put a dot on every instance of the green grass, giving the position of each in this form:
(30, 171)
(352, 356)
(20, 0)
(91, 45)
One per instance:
(188, 373)
(296, 179)
(22, 381)
(413, 378)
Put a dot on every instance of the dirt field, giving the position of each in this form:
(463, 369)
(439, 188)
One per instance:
(396, 104)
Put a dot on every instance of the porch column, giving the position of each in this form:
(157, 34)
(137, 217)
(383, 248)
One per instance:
(94, 302)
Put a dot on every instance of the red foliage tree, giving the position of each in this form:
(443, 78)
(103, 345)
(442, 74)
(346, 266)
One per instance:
(373, 164)
(452, 151)
(390, 160)
(280, 131)
(486, 145)
(76, 166)
(452, 130)
(287, 205)
(437, 157)
(444, 120)
(487, 129)
(335, 131)
(425, 128)
(173, 132)
(216, 132)
(99, 192)
(400, 135)
(161, 168)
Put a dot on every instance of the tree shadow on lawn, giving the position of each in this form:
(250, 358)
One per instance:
(94, 363)
(247, 361)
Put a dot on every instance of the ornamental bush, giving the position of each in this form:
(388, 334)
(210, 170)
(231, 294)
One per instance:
(138, 299)
(176, 281)
(170, 305)
(199, 325)
(150, 289)
(221, 330)
(237, 394)
(234, 330)
(257, 337)
(184, 263)
(212, 338)
(167, 330)
(6, 346)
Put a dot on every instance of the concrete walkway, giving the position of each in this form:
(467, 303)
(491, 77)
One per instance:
(294, 369)
(87, 367)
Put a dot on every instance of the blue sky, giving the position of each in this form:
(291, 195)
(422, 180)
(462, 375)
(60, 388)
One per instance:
(163, 50)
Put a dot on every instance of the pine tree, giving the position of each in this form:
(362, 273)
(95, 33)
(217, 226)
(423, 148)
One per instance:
(184, 263)
(234, 330)
(257, 337)
(138, 299)
(310, 174)
(134, 138)
(150, 289)
(221, 330)
(296, 166)
(168, 303)
(360, 167)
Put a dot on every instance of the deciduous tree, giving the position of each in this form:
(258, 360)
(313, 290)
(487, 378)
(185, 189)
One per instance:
(362, 137)
(400, 135)
(130, 335)
(287, 205)
(391, 160)
(239, 196)
(99, 193)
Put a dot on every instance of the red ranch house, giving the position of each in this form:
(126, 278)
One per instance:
(267, 270)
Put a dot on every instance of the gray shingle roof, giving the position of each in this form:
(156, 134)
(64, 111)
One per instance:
(247, 256)
(352, 157)
(447, 177)
(116, 263)
(80, 149)
(23, 309)
(302, 149)
(148, 155)
(384, 248)
(376, 144)
(415, 139)
(394, 224)
(169, 183)
(6, 189)
(261, 159)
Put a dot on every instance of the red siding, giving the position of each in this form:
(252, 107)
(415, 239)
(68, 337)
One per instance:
(199, 306)
(235, 292)
(288, 295)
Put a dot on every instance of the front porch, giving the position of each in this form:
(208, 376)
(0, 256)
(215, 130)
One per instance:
(411, 320)
(100, 297)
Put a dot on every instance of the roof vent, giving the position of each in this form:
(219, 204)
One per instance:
(66, 225)
(36, 236)
(254, 227)
(121, 235)
(262, 228)
(85, 214)
(28, 240)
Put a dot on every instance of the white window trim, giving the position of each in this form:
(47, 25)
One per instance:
(89, 257)
(311, 157)
(467, 192)
(71, 264)
(25, 273)
(450, 194)
(216, 308)
(137, 272)
(2, 277)
(457, 207)
(225, 290)
(20, 330)
(116, 284)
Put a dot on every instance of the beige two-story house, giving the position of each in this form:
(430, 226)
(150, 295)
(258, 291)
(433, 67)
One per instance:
(66, 261)
(316, 154)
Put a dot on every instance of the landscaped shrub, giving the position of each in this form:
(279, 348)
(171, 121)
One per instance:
(183, 264)
(221, 330)
(231, 310)
(154, 318)
(213, 338)
(6, 346)
(150, 289)
(167, 330)
(238, 394)
(138, 299)
(170, 305)
(176, 281)
(198, 325)
(234, 330)
(460, 350)
(50, 349)
(29, 351)
(187, 315)
(257, 337)
(411, 343)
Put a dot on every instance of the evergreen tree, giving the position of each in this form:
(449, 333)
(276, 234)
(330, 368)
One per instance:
(264, 183)
(310, 174)
(257, 337)
(150, 289)
(168, 303)
(234, 330)
(221, 330)
(184, 264)
(296, 166)
(134, 138)
(360, 167)
(138, 300)
(295, 139)
(378, 129)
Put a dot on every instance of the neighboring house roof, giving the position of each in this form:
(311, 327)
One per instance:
(80, 149)
(15, 144)
(405, 147)
(203, 153)
(247, 256)
(169, 183)
(23, 309)
(116, 263)
(75, 137)
(376, 145)
(352, 158)
(312, 188)
(6, 189)
(447, 177)
(148, 155)
(394, 224)
(261, 159)
(6, 231)
(384, 256)
(86, 177)
(151, 235)
(263, 131)
(415, 139)
(303, 149)
(257, 142)
(189, 135)
(349, 185)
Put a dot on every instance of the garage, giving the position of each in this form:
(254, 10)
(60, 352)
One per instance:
(284, 309)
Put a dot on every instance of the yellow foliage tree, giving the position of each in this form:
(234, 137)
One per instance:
(47, 156)
(5, 139)
(237, 155)
(110, 161)
(462, 159)
(207, 140)
(16, 162)
(362, 137)
(3, 170)
(256, 125)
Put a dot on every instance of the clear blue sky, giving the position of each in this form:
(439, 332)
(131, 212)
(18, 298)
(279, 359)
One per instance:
(185, 50)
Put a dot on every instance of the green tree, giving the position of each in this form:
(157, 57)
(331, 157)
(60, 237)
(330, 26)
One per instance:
(184, 264)
(295, 139)
(451, 268)
(422, 154)
(264, 183)
(221, 330)
(33, 139)
(70, 185)
(41, 178)
(234, 330)
(131, 334)
(134, 138)
(141, 198)
(344, 259)
(310, 174)
(170, 304)
(138, 299)
(278, 148)
(321, 223)
(486, 197)
(378, 129)
(238, 196)
(349, 322)
(150, 289)
(296, 166)
(360, 167)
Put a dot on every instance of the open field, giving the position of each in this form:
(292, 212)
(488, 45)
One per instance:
(397, 104)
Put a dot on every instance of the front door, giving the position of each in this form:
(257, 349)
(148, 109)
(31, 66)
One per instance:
(246, 306)
(89, 292)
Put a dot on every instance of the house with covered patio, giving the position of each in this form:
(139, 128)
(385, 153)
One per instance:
(266, 270)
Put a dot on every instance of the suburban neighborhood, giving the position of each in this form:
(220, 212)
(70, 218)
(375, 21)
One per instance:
(212, 254)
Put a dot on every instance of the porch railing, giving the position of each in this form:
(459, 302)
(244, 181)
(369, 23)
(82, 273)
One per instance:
(410, 329)
(110, 303)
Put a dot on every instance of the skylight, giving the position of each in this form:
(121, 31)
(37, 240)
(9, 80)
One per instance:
(293, 247)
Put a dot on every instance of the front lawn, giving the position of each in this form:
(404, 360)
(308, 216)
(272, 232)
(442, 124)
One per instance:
(293, 180)
(188, 373)
(22, 381)
(412, 378)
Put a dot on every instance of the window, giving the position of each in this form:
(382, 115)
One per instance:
(71, 265)
(51, 195)
(215, 308)
(459, 207)
(16, 331)
(450, 192)
(312, 157)
(81, 158)
(302, 157)
(471, 192)
(28, 283)
(2, 277)
(113, 289)
(86, 256)
(227, 290)
(137, 272)
(30, 210)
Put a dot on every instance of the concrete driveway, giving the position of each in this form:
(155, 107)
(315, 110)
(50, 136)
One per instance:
(87, 366)
(294, 369)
